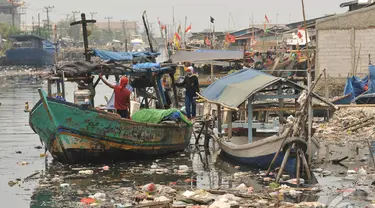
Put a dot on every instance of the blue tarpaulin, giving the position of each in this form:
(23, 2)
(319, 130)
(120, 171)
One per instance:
(355, 86)
(371, 84)
(146, 65)
(122, 56)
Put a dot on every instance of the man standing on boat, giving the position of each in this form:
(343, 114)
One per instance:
(191, 85)
(122, 96)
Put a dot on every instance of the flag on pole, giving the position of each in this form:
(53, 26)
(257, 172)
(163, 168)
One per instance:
(212, 19)
(207, 41)
(176, 40)
(188, 29)
(266, 18)
(230, 38)
(176, 35)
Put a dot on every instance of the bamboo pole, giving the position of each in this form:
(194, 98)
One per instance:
(283, 164)
(370, 151)
(308, 82)
(326, 89)
(306, 165)
(298, 167)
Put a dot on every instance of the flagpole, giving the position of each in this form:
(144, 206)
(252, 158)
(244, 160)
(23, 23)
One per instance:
(174, 26)
(252, 18)
(185, 32)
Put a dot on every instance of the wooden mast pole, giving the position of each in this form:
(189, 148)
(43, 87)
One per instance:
(308, 85)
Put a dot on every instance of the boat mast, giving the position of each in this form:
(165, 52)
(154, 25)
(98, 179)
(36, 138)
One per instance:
(308, 86)
(84, 22)
(252, 18)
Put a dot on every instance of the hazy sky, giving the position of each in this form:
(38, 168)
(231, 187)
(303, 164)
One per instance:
(197, 11)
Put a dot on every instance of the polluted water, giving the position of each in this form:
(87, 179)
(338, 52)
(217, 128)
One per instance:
(29, 177)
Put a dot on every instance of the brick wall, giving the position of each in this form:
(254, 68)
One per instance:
(337, 51)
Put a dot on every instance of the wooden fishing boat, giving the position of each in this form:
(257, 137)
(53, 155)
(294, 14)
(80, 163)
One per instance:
(255, 150)
(78, 133)
(75, 134)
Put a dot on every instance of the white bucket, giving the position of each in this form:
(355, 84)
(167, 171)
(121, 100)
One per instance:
(134, 107)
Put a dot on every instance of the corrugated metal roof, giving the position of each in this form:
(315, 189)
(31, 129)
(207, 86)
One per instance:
(235, 88)
(206, 55)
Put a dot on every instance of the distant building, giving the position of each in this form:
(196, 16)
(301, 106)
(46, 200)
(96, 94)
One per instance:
(131, 27)
(356, 4)
(9, 12)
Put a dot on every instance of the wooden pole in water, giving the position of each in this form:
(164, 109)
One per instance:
(283, 164)
(307, 168)
(308, 85)
(326, 89)
(229, 124)
(212, 71)
(298, 170)
(219, 119)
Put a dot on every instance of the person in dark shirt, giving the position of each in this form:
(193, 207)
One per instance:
(191, 85)
(167, 89)
(122, 96)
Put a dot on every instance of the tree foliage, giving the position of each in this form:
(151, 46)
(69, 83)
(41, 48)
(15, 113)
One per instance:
(6, 31)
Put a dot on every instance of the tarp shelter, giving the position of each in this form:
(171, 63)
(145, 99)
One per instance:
(206, 55)
(358, 86)
(355, 86)
(234, 89)
(122, 56)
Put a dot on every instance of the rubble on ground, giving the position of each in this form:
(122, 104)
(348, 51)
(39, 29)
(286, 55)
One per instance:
(347, 124)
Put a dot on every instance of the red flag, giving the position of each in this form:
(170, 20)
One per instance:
(265, 16)
(230, 38)
(177, 36)
(159, 22)
(208, 42)
(299, 34)
(163, 27)
(188, 29)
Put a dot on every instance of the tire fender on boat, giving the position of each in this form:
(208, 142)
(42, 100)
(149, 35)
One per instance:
(301, 143)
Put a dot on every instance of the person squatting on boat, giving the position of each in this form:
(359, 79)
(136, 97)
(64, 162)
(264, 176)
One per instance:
(122, 96)
(191, 84)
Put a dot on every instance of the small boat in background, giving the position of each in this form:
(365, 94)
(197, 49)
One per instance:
(30, 50)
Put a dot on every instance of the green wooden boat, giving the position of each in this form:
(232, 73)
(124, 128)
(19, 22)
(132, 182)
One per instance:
(77, 134)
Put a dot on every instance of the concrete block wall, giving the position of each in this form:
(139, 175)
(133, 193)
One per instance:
(364, 45)
(338, 51)
(334, 52)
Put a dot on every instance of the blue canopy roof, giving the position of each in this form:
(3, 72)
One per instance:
(122, 56)
(234, 89)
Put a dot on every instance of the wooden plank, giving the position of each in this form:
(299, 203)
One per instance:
(156, 204)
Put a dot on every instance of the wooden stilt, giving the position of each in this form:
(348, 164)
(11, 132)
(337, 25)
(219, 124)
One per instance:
(307, 168)
(327, 153)
(298, 170)
(286, 156)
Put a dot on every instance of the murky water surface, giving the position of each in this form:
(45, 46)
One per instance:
(22, 166)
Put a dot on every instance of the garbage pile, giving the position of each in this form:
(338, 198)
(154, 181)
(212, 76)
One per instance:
(100, 187)
(347, 124)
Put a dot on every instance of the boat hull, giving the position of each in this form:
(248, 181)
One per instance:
(30, 56)
(259, 154)
(73, 134)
